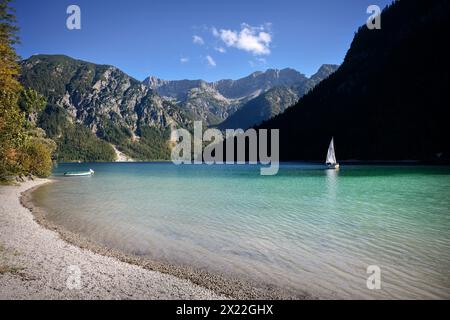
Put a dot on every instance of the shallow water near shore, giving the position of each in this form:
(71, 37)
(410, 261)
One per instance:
(306, 229)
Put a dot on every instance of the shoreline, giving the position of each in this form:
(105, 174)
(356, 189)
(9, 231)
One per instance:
(36, 263)
(208, 285)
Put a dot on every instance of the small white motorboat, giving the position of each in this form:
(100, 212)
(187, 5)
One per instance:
(79, 173)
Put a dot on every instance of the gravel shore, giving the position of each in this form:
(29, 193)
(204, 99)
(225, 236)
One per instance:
(36, 263)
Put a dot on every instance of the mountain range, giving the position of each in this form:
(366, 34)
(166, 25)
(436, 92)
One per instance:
(113, 106)
(93, 109)
(215, 102)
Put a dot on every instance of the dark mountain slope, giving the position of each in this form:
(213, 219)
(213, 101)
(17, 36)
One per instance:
(390, 98)
(261, 108)
(274, 101)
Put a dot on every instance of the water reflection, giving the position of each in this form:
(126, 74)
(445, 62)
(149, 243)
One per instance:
(332, 182)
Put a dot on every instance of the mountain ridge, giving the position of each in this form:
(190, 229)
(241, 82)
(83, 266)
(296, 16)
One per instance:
(223, 85)
(213, 102)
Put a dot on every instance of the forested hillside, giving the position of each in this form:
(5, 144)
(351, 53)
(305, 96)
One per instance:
(91, 106)
(390, 98)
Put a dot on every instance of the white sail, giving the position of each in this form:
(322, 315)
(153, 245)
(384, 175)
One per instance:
(331, 156)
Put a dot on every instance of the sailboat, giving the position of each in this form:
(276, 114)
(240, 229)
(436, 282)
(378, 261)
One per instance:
(331, 157)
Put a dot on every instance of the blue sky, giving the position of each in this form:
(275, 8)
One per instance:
(195, 39)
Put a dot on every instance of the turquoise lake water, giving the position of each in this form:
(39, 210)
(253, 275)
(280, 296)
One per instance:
(306, 229)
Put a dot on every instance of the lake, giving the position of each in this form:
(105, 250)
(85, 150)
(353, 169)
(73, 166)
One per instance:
(305, 229)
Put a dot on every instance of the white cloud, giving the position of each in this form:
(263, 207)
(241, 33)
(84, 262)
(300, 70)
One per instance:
(184, 60)
(198, 40)
(256, 40)
(210, 61)
(220, 49)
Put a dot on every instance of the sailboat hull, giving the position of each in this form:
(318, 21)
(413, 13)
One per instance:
(335, 166)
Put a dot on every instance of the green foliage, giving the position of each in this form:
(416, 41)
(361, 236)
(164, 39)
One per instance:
(13, 137)
(37, 157)
(53, 120)
(23, 149)
(30, 101)
(8, 28)
(9, 69)
(113, 133)
(80, 144)
(152, 145)
(74, 141)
